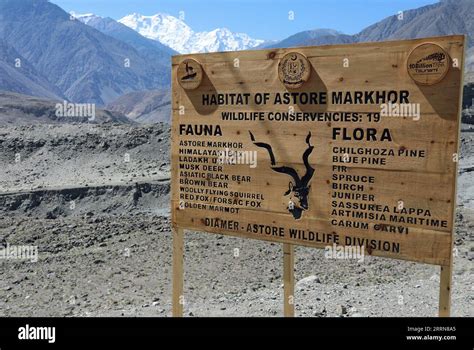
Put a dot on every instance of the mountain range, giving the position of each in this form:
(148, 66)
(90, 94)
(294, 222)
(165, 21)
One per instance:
(125, 64)
(82, 63)
(178, 35)
(151, 49)
(446, 17)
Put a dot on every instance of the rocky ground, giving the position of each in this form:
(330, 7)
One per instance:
(79, 155)
(94, 199)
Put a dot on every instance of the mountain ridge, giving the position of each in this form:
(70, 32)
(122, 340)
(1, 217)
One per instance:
(447, 17)
(96, 69)
(121, 32)
(175, 33)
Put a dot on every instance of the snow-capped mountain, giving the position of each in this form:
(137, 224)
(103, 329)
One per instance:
(176, 34)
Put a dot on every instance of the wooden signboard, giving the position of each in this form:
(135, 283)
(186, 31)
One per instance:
(347, 145)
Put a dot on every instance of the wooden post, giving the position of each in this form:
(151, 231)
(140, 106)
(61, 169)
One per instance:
(446, 273)
(445, 291)
(288, 280)
(178, 277)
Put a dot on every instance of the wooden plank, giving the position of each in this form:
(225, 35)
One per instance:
(288, 280)
(393, 46)
(425, 246)
(178, 273)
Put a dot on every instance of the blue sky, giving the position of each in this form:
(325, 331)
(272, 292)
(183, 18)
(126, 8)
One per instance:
(262, 19)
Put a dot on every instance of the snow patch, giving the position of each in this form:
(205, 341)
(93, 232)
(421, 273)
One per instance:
(176, 34)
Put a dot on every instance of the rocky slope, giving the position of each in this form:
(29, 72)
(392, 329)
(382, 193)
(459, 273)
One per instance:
(83, 63)
(18, 75)
(144, 106)
(18, 109)
(57, 156)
